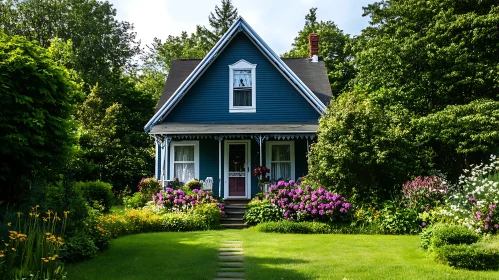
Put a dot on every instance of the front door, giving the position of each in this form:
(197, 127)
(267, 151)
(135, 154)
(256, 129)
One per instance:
(237, 169)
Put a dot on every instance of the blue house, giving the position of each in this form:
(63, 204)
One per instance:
(240, 107)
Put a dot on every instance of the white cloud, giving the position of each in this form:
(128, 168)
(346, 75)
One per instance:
(276, 21)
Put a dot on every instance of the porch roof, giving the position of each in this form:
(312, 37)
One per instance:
(209, 128)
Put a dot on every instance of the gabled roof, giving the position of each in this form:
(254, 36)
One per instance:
(312, 74)
(239, 26)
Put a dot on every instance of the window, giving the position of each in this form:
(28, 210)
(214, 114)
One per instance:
(242, 93)
(281, 159)
(184, 160)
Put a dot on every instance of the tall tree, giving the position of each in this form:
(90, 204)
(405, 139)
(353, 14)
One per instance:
(220, 21)
(334, 47)
(36, 121)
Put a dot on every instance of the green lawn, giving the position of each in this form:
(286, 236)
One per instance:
(268, 256)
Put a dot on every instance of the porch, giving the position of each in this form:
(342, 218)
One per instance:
(227, 154)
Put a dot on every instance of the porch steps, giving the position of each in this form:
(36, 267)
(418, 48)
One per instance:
(234, 209)
(230, 266)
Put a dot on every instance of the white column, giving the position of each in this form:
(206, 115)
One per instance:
(164, 162)
(220, 166)
(156, 161)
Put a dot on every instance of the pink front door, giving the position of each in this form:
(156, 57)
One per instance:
(237, 169)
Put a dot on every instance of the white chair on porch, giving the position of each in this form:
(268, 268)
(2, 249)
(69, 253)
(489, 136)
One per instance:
(208, 183)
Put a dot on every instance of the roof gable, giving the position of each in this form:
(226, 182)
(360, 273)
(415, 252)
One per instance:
(239, 26)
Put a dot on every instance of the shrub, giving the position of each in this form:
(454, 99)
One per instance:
(424, 193)
(472, 257)
(149, 187)
(445, 234)
(178, 200)
(33, 247)
(78, 248)
(210, 213)
(194, 185)
(306, 204)
(294, 227)
(135, 201)
(397, 219)
(97, 191)
(259, 211)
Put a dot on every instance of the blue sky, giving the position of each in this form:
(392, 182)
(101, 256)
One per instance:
(276, 21)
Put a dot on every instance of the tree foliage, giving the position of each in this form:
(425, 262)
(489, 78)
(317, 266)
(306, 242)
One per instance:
(334, 47)
(36, 119)
(363, 150)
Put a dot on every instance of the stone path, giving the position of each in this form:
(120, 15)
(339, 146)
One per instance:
(230, 261)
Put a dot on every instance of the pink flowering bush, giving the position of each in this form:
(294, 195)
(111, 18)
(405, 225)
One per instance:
(425, 193)
(180, 201)
(149, 186)
(306, 204)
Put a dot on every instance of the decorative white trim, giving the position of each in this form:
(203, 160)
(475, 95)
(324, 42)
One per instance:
(196, 156)
(238, 26)
(156, 161)
(242, 65)
(247, 164)
(268, 155)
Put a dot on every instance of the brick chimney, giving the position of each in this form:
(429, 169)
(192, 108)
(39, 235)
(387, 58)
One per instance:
(313, 40)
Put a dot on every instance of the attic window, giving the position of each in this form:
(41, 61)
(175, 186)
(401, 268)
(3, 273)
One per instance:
(242, 93)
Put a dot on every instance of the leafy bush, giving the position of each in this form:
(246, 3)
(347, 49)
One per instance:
(397, 219)
(260, 211)
(97, 192)
(78, 248)
(425, 193)
(100, 236)
(472, 257)
(475, 198)
(294, 227)
(306, 204)
(194, 185)
(135, 201)
(149, 187)
(210, 212)
(445, 234)
(33, 248)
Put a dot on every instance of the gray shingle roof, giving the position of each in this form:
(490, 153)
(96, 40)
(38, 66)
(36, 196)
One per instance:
(314, 75)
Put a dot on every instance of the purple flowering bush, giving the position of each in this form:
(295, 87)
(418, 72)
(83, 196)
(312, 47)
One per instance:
(148, 186)
(306, 204)
(424, 193)
(183, 201)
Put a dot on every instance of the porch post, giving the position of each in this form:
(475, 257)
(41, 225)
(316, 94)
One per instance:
(308, 147)
(158, 142)
(219, 138)
(260, 140)
(166, 144)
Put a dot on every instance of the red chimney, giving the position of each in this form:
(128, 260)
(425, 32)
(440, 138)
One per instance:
(313, 40)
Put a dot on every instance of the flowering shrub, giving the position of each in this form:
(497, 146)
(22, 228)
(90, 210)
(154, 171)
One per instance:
(424, 193)
(474, 203)
(180, 201)
(306, 204)
(194, 184)
(261, 171)
(148, 187)
(32, 250)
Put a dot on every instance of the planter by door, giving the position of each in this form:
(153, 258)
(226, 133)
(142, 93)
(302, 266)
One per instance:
(237, 172)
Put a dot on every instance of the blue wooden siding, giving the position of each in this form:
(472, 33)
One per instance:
(301, 160)
(208, 162)
(277, 101)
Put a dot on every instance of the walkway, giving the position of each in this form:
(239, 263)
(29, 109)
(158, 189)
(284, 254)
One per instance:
(230, 266)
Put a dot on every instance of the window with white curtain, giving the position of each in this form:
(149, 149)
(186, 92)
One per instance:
(281, 160)
(184, 160)
(242, 93)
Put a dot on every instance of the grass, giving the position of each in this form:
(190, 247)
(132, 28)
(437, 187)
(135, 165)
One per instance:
(269, 256)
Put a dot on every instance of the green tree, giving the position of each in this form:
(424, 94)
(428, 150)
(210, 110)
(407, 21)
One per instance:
(363, 150)
(334, 47)
(220, 21)
(114, 147)
(36, 124)
(430, 53)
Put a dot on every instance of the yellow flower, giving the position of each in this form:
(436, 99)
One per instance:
(9, 224)
(2, 255)
(13, 249)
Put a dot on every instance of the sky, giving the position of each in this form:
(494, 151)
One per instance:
(276, 21)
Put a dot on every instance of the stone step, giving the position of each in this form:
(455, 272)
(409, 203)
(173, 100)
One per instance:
(230, 258)
(231, 249)
(231, 253)
(230, 274)
(219, 278)
(229, 207)
(238, 264)
(238, 215)
(232, 269)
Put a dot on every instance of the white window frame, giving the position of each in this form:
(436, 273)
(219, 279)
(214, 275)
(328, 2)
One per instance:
(174, 144)
(268, 157)
(242, 65)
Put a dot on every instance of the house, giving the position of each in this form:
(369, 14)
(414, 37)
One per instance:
(240, 107)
